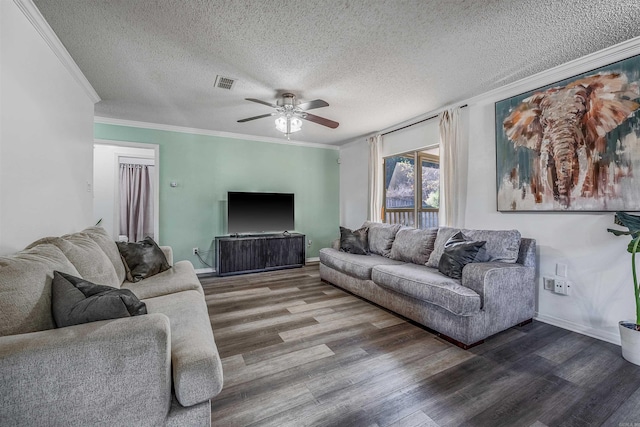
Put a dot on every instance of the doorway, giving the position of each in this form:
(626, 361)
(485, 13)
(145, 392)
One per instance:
(126, 189)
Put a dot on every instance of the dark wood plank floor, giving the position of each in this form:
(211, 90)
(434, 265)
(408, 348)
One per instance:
(299, 352)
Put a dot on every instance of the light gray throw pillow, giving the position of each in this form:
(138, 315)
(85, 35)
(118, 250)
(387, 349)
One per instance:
(502, 245)
(381, 237)
(413, 245)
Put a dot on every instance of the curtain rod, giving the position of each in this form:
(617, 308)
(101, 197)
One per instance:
(419, 121)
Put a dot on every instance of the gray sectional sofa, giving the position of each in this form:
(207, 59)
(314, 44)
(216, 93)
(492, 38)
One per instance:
(401, 274)
(161, 368)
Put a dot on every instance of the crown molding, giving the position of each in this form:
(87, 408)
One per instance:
(205, 132)
(569, 69)
(40, 24)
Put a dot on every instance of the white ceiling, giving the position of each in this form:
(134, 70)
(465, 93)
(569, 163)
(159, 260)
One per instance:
(377, 63)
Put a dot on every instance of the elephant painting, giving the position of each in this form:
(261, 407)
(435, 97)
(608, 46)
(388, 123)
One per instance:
(566, 129)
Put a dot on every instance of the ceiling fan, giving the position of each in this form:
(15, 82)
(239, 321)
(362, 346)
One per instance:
(290, 113)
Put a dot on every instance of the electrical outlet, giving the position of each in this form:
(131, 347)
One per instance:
(562, 287)
(309, 243)
(195, 251)
(549, 283)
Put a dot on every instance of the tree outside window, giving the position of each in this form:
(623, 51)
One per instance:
(412, 193)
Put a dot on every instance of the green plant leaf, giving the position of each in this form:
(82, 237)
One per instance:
(632, 222)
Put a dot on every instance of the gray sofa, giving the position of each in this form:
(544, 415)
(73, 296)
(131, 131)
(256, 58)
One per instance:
(161, 368)
(401, 274)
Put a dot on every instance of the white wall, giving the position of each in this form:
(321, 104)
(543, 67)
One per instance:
(598, 264)
(354, 176)
(354, 167)
(105, 178)
(46, 138)
(599, 267)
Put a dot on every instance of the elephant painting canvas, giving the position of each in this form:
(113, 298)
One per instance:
(574, 145)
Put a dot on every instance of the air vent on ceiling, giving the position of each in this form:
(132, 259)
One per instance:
(225, 82)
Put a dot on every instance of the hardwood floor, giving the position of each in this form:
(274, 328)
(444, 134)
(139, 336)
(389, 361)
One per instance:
(300, 352)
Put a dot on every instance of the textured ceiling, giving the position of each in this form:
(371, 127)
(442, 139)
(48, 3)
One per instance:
(377, 63)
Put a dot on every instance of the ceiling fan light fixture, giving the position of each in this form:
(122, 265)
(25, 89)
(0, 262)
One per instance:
(288, 125)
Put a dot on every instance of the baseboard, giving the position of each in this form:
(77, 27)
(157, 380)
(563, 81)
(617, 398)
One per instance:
(205, 270)
(581, 329)
(311, 260)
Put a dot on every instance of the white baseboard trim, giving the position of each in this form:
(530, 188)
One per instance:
(581, 329)
(205, 270)
(314, 259)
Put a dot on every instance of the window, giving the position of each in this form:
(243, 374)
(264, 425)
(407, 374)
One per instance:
(412, 193)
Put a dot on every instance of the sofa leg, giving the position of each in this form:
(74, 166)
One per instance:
(458, 343)
(526, 322)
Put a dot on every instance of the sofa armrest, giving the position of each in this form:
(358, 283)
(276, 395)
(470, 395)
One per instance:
(168, 253)
(490, 278)
(507, 293)
(114, 371)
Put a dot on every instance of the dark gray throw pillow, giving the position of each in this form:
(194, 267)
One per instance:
(75, 301)
(354, 242)
(142, 259)
(458, 252)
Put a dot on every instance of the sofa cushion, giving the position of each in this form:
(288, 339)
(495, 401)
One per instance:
(413, 245)
(354, 242)
(195, 362)
(25, 288)
(429, 285)
(458, 252)
(142, 259)
(108, 245)
(381, 237)
(182, 277)
(86, 256)
(75, 301)
(501, 246)
(354, 265)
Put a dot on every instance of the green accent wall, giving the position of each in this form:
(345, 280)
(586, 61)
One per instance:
(206, 167)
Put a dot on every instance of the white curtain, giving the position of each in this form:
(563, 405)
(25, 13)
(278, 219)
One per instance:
(136, 201)
(453, 169)
(375, 179)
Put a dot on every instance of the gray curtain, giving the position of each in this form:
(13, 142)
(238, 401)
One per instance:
(136, 201)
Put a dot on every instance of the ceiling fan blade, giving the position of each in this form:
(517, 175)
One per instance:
(256, 117)
(316, 103)
(262, 102)
(321, 121)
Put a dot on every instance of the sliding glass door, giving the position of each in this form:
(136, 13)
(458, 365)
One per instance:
(411, 194)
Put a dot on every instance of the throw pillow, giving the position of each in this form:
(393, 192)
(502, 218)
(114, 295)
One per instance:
(444, 234)
(142, 259)
(75, 301)
(381, 237)
(413, 245)
(458, 252)
(354, 242)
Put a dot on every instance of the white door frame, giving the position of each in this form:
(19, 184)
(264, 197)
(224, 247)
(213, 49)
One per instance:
(156, 177)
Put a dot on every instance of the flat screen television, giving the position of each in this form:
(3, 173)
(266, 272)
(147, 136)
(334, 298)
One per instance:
(259, 212)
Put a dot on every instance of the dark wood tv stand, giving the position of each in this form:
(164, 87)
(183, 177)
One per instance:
(258, 252)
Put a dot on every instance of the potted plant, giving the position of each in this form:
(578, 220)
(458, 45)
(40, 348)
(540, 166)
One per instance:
(630, 330)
